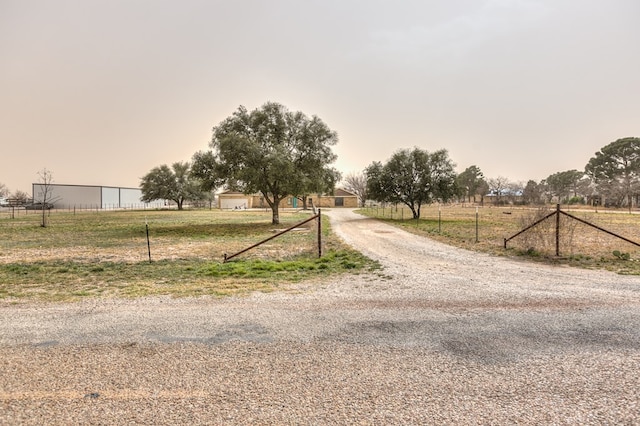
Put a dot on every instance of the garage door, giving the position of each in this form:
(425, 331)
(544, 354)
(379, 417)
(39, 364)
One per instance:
(234, 203)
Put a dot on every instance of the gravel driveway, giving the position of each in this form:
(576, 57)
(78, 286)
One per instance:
(442, 336)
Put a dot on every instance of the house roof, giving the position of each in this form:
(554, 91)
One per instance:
(230, 192)
(339, 192)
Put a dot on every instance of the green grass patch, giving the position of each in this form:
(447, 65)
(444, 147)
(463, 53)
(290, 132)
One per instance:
(64, 280)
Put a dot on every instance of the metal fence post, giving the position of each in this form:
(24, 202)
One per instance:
(319, 232)
(477, 225)
(557, 229)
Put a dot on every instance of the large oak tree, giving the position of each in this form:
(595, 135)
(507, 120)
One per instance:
(413, 178)
(273, 151)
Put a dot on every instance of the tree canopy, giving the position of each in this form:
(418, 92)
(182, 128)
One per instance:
(615, 169)
(565, 184)
(471, 181)
(173, 183)
(273, 151)
(412, 177)
(532, 193)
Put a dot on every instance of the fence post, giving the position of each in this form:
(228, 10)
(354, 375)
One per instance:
(557, 229)
(146, 224)
(477, 226)
(319, 232)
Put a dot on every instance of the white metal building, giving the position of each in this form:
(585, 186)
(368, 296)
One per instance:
(92, 197)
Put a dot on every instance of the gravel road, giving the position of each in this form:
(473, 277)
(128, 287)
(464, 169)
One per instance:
(441, 336)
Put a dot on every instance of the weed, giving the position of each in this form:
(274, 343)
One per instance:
(622, 256)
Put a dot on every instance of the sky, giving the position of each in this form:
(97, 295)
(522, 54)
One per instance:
(98, 92)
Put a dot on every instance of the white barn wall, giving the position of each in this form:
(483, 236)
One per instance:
(93, 197)
(110, 197)
(130, 198)
(69, 196)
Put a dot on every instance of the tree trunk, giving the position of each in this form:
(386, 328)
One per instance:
(414, 212)
(275, 218)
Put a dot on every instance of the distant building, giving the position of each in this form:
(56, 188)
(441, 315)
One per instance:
(504, 196)
(239, 200)
(93, 197)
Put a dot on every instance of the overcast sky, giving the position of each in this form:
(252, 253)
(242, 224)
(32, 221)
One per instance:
(101, 91)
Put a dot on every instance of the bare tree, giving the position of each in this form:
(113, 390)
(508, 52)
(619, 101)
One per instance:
(515, 192)
(20, 197)
(356, 183)
(498, 187)
(45, 193)
(4, 191)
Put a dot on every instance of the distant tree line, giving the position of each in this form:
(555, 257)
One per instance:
(610, 178)
(280, 153)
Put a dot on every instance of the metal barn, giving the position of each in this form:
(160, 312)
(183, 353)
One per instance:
(92, 197)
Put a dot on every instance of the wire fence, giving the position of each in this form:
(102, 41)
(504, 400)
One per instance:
(488, 226)
(13, 211)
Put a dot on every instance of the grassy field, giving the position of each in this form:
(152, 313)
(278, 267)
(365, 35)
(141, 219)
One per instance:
(105, 254)
(580, 245)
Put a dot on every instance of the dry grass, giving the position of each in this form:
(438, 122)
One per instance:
(580, 244)
(105, 254)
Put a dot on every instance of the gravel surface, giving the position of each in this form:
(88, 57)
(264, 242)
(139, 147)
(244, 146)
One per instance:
(442, 336)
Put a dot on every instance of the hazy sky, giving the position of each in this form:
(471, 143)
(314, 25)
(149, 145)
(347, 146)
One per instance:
(101, 91)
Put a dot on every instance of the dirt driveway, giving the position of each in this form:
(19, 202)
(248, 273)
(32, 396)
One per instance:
(441, 336)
